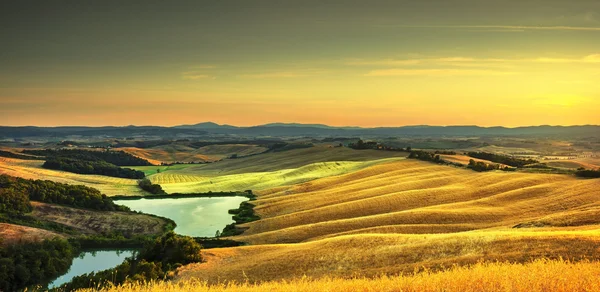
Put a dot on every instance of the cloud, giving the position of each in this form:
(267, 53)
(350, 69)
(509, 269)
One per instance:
(460, 61)
(382, 62)
(196, 76)
(507, 27)
(436, 72)
(205, 66)
(283, 74)
(594, 58)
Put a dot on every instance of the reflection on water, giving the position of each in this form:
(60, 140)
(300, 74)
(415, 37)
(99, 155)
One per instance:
(92, 261)
(194, 216)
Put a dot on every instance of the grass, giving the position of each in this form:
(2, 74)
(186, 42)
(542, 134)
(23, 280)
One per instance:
(275, 161)
(151, 170)
(186, 181)
(539, 275)
(32, 169)
(410, 196)
(11, 233)
(181, 153)
(99, 222)
(372, 255)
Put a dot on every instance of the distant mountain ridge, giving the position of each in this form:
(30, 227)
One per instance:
(296, 129)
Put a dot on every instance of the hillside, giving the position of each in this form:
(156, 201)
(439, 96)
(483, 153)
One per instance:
(402, 215)
(185, 181)
(558, 276)
(275, 161)
(32, 169)
(11, 234)
(181, 153)
(418, 197)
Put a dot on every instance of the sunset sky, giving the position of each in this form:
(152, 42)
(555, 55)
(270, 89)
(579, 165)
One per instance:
(360, 63)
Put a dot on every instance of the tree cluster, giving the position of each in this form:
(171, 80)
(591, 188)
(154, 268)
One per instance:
(154, 262)
(512, 161)
(91, 167)
(13, 202)
(146, 185)
(27, 264)
(9, 154)
(481, 166)
(588, 173)
(55, 193)
(425, 156)
(118, 158)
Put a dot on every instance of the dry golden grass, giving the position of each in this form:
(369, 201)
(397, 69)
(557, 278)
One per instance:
(184, 181)
(371, 255)
(539, 275)
(411, 196)
(588, 163)
(181, 153)
(11, 234)
(96, 222)
(291, 159)
(32, 169)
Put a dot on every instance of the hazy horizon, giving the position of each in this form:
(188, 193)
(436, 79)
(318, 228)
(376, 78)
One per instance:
(298, 123)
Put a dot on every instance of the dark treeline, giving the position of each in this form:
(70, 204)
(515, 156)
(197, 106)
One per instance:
(425, 156)
(146, 185)
(362, 145)
(55, 193)
(248, 194)
(118, 158)
(588, 173)
(512, 161)
(29, 264)
(8, 154)
(282, 146)
(91, 162)
(481, 166)
(91, 167)
(154, 262)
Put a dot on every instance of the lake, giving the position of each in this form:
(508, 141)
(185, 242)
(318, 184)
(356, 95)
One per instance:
(198, 217)
(92, 261)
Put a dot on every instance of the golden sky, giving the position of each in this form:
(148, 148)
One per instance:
(385, 63)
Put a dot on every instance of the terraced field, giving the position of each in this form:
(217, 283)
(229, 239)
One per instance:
(32, 169)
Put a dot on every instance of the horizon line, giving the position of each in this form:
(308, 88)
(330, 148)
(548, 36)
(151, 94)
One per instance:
(300, 124)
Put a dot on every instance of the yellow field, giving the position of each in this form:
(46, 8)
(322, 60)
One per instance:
(588, 163)
(184, 181)
(182, 153)
(411, 196)
(291, 159)
(32, 169)
(10, 234)
(403, 215)
(539, 275)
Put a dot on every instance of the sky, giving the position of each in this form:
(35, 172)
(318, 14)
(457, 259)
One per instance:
(342, 63)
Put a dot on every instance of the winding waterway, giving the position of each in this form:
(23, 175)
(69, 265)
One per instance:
(197, 217)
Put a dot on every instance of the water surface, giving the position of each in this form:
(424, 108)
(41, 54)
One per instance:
(92, 261)
(200, 217)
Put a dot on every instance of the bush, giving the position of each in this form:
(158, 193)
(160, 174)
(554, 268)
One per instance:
(146, 185)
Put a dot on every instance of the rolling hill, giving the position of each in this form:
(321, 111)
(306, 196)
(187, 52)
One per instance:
(404, 215)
